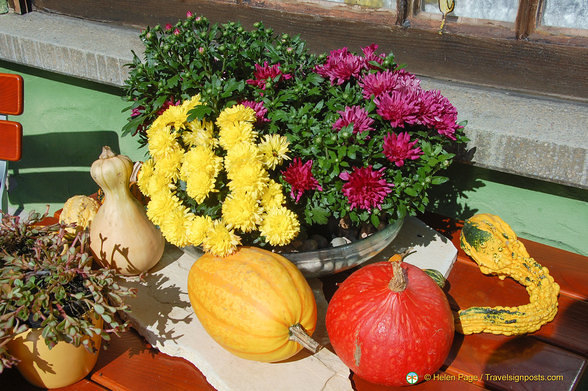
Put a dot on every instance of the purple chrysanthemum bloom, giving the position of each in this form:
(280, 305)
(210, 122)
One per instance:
(398, 148)
(369, 53)
(259, 108)
(300, 178)
(355, 115)
(398, 107)
(340, 66)
(438, 113)
(365, 188)
(264, 72)
(380, 82)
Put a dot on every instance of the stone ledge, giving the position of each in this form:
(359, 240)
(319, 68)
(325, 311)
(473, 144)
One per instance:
(531, 136)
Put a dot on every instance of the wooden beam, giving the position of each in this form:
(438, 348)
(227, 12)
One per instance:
(486, 55)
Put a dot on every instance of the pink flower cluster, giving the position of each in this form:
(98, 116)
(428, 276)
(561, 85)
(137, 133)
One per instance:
(355, 115)
(299, 176)
(342, 65)
(266, 72)
(365, 188)
(259, 108)
(400, 99)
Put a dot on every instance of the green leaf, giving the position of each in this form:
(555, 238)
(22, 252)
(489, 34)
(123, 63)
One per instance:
(410, 191)
(320, 215)
(200, 112)
(99, 309)
(437, 180)
(375, 219)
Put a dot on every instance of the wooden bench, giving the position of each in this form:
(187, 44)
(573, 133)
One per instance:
(553, 358)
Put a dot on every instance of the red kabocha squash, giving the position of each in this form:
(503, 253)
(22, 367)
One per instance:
(389, 319)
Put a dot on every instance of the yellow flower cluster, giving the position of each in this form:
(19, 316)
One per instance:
(190, 156)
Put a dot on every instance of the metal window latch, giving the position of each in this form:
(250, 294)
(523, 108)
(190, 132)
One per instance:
(446, 7)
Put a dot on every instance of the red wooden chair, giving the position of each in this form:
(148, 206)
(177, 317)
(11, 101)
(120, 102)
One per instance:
(11, 103)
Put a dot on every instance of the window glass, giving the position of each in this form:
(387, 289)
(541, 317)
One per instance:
(503, 10)
(566, 13)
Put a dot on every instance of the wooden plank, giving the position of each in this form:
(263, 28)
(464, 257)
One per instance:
(441, 382)
(11, 94)
(82, 385)
(496, 361)
(10, 140)
(497, 59)
(135, 366)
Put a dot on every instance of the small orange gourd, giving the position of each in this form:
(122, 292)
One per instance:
(121, 235)
(254, 303)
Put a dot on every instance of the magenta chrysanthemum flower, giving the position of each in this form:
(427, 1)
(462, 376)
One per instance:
(365, 188)
(398, 148)
(369, 53)
(398, 107)
(264, 72)
(380, 82)
(300, 178)
(259, 108)
(355, 115)
(438, 113)
(340, 66)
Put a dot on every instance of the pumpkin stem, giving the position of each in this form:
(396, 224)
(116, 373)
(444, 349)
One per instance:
(106, 153)
(299, 335)
(398, 282)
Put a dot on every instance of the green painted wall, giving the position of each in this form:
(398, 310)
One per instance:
(65, 124)
(67, 121)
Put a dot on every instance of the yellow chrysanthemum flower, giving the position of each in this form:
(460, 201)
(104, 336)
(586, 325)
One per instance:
(199, 170)
(241, 212)
(199, 185)
(160, 204)
(197, 229)
(200, 159)
(250, 178)
(159, 183)
(274, 149)
(272, 196)
(279, 226)
(241, 154)
(200, 133)
(145, 175)
(173, 226)
(169, 165)
(220, 240)
(175, 116)
(162, 141)
(189, 104)
(235, 114)
(235, 133)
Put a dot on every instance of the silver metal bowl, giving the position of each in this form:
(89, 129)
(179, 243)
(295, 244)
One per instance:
(337, 259)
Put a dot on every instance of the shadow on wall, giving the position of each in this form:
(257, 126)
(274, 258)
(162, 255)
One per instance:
(56, 166)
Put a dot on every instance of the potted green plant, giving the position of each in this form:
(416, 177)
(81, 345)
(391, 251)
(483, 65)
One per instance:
(53, 302)
(352, 140)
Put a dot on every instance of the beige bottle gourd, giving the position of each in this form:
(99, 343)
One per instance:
(121, 235)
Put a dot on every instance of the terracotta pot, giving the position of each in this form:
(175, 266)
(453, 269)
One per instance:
(60, 366)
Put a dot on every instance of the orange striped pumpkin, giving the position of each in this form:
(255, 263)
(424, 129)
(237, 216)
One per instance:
(250, 301)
